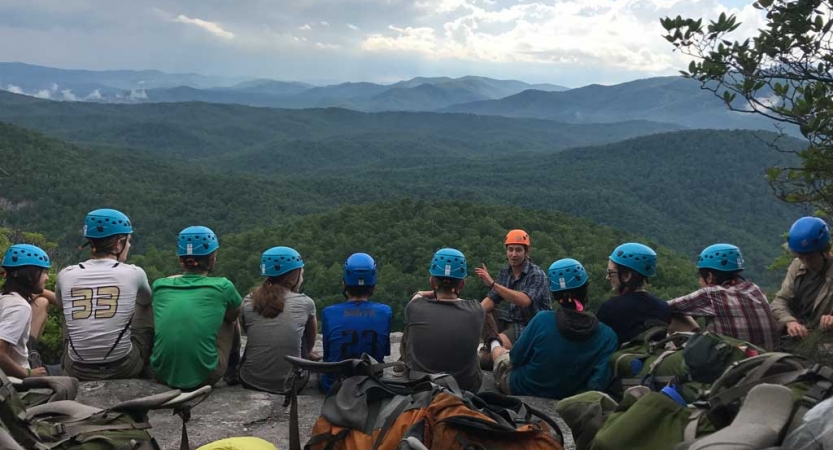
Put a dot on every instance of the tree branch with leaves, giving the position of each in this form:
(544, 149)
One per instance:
(784, 73)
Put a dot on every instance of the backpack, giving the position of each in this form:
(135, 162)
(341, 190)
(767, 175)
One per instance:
(365, 411)
(691, 361)
(809, 383)
(650, 421)
(69, 425)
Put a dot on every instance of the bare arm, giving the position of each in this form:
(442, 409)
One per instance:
(11, 368)
(231, 314)
(52, 297)
(488, 305)
(310, 332)
(515, 297)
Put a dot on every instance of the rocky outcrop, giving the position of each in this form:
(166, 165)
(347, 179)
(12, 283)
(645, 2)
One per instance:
(233, 411)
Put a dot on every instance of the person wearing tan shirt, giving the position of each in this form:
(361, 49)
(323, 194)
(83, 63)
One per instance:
(805, 301)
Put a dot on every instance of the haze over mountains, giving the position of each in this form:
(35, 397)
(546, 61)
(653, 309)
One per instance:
(672, 100)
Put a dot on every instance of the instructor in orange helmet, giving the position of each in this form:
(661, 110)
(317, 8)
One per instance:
(522, 284)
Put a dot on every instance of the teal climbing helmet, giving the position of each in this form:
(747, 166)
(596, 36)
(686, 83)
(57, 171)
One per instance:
(637, 257)
(279, 260)
(20, 255)
(103, 223)
(449, 263)
(566, 274)
(723, 257)
(196, 241)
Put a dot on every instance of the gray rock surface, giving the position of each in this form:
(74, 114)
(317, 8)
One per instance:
(233, 411)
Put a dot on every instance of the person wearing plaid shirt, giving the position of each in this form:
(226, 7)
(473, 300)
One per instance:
(521, 283)
(731, 305)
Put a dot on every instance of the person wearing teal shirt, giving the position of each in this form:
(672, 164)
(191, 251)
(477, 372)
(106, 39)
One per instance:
(196, 336)
(560, 353)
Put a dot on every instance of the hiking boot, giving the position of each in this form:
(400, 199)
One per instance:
(485, 356)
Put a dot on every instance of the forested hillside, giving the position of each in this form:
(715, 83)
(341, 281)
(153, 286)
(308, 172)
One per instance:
(325, 138)
(685, 189)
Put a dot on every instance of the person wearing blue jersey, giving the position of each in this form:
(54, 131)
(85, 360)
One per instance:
(357, 325)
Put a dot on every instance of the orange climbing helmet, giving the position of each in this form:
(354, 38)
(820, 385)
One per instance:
(519, 237)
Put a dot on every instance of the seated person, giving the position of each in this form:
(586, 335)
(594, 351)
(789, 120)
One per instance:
(731, 305)
(196, 337)
(560, 353)
(278, 321)
(523, 286)
(805, 301)
(358, 325)
(633, 310)
(25, 269)
(106, 304)
(442, 331)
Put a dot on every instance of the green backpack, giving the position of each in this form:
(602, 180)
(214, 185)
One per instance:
(69, 425)
(809, 382)
(692, 361)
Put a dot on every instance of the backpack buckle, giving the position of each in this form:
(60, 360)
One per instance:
(59, 429)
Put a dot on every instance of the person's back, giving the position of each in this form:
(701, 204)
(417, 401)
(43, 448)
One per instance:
(632, 313)
(269, 339)
(106, 305)
(560, 353)
(194, 315)
(443, 337)
(278, 321)
(99, 298)
(730, 305)
(352, 328)
(358, 325)
(442, 333)
(633, 310)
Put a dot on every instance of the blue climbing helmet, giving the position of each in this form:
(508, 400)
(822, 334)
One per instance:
(566, 274)
(20, 255)
(449, 263)
(637, 257)
(809, 234)
(360, 270)
(196, 241)
(103, 223)
(279, 260)
(722, 257)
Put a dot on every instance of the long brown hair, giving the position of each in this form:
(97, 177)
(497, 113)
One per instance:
(24, 280)
(268, 299)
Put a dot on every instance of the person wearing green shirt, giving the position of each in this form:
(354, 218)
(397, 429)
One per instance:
(197, 339)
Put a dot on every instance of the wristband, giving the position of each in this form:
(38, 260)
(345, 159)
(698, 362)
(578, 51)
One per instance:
(493, 285)
(28, 372)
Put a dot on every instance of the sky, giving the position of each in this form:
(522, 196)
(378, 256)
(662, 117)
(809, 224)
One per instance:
(567, 42)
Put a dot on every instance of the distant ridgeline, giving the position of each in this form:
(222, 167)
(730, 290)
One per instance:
(238, 169)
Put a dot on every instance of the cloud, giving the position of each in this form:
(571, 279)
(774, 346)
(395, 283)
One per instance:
(138, 94)
(305, 27)
(14, 89)
(327, 46)
(325, 24)
(94, 95)
(211, 27)
(68, 95)
(584, 34)
(353, 27)
(45, 94)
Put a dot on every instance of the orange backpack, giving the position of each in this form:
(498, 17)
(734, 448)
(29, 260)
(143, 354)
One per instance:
(366, 412)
